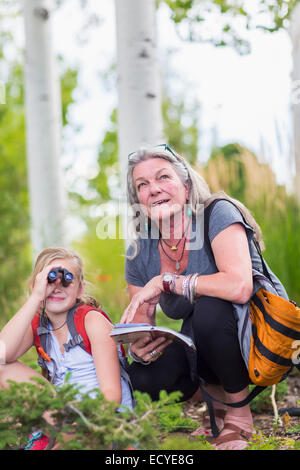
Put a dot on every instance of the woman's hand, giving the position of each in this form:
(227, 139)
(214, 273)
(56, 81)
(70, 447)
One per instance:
(149, 294)
(148, 349)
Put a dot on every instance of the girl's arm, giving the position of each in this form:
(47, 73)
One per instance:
(17, 334)
(105, 355)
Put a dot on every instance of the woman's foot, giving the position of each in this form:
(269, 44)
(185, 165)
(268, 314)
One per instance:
(236, 434)
(205, 429)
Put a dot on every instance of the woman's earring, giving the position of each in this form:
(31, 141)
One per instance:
(188, 210)
(146, 226)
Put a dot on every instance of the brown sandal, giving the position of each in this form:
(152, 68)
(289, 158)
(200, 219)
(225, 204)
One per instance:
(238, 434)
(201, 431)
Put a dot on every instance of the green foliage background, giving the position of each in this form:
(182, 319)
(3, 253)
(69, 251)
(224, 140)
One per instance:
(231, 168)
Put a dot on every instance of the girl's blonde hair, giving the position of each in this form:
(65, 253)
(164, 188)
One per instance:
(50, 254)
(199, 192)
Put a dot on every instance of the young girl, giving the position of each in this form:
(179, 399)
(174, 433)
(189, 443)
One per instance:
(53, 299)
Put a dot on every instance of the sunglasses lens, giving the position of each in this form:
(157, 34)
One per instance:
(166, 148)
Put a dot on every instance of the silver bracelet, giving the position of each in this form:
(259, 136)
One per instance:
(192, 282)
(191, 288)
(136, 358)
(195, 286)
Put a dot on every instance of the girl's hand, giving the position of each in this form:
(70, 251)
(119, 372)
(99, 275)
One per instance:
(148, 349)
(41, 288)
(150, 294)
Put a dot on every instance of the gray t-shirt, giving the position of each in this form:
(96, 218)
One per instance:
(146, 264)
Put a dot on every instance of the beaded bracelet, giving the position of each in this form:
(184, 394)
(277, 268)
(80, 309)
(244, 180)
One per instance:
(185, 286)
(173, 283)
(189, 287)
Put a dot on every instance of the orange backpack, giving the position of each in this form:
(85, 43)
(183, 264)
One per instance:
(274, 347)
(275, 340)
(275, 325)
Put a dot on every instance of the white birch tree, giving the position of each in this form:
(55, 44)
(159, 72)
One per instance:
(139, 85)
(294, 31)
(43, 127)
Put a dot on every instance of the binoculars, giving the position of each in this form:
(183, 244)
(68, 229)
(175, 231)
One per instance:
(66, 276)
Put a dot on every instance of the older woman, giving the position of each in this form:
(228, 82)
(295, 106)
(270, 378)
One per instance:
(196, 281)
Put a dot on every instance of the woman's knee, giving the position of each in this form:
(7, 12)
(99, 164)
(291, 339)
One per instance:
(170, 369)
(212, 314)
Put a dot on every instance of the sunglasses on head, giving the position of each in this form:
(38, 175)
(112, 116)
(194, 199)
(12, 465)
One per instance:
(164, 147)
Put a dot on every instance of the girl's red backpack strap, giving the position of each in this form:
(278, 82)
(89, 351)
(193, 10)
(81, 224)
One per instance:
(80, 328)
(34, 325)
(75, 320)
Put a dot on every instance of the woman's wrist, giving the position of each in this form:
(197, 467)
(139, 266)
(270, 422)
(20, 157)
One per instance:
(168, 282)
(187, 286)
(136, 358)
(181, 285)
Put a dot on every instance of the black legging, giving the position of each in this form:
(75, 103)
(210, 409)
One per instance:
(219, 359)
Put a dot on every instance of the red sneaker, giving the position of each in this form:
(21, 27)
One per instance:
(37, 441)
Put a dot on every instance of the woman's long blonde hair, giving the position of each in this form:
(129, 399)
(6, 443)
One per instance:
(199, 192)
(52, 253)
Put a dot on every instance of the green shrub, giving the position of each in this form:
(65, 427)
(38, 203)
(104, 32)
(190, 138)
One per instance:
(90, 423)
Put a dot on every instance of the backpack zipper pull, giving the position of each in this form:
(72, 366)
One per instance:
(43, 354)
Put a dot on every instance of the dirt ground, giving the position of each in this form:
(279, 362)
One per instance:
(264, 422)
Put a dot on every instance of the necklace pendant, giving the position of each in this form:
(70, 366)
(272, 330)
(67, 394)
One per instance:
(174, 248)
(177, 266)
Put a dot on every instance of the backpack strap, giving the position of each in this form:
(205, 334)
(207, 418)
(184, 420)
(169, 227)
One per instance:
(40, 335)
(75, 321)
(79, 337)
(34, 325)
(257, 389)
(209, 399)
(208, 210)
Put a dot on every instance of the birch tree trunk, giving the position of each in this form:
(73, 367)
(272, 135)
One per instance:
(294, 31)
(139, 85)
(43, 128)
